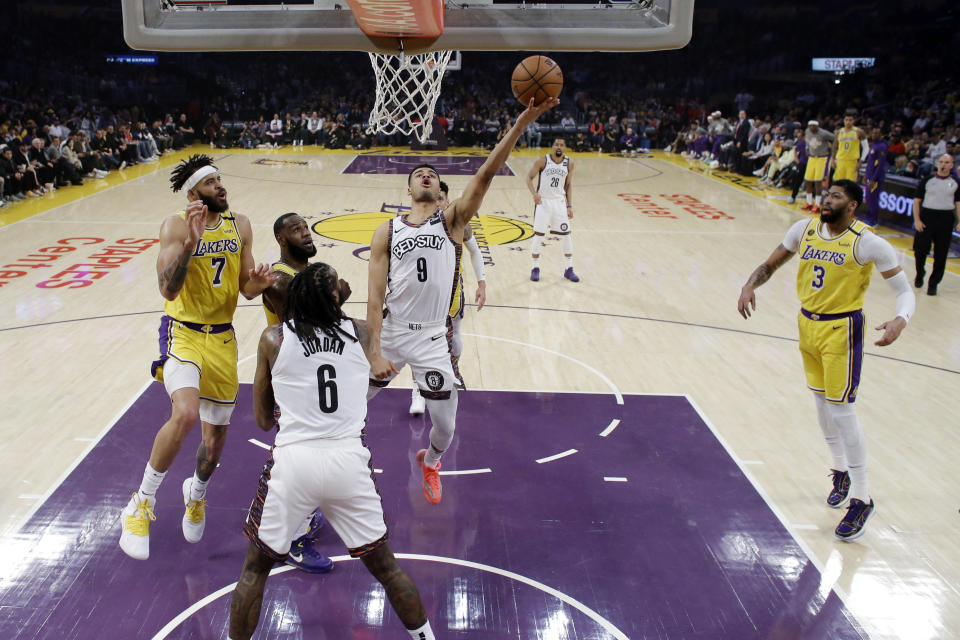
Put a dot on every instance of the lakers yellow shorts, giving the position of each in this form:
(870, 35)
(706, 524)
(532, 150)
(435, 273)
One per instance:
(212, 349)
(816, 169)
(846, 170)
(832, 350)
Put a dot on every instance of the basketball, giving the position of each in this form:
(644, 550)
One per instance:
(537, 77)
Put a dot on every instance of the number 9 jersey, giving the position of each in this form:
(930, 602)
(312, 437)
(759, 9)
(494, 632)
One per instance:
(210, 291)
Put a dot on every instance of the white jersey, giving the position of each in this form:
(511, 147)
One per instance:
(320, 386)
(424, 266)
(553, 178)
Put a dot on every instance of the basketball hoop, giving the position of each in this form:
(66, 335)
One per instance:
(407, 92)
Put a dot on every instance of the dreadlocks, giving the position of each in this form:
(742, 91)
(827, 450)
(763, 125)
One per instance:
(187, 168)
(310, 305)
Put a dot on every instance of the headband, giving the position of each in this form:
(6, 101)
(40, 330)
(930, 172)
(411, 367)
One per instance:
(199, 175)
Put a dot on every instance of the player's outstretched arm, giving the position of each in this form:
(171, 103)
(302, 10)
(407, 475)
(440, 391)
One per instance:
(748, 299)
(380, 367)
(254, 278)
(267, 351)
(469, 203)
(276, 294)
(178, 239)
(906, 305)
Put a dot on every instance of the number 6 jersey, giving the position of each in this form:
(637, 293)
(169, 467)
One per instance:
(424, 263)
(320, 386)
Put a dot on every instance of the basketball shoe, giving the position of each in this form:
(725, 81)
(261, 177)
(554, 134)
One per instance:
(194, 515)
(851, 527)
(417, 404)
(570, 275)
(806, 207)
(535, 274)
(135, 522)
(816, 209)
(304, 557)
(841, 488)
(432, 488)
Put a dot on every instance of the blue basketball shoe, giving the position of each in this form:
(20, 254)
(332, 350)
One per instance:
(304, 557)
(851, 527)
(841, 488)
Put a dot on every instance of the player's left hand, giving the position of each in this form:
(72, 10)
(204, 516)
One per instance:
(481, 297)
(570, 213)
(261, 276)
(891, 331)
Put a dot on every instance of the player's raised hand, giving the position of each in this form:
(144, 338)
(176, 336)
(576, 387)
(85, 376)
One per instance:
(261, 276)
(532, 112)
(747, 302)
(481, 297)
(381, 368)
(891, 331)
(196, 217)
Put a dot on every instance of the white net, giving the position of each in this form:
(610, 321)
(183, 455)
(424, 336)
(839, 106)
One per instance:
(407, 92)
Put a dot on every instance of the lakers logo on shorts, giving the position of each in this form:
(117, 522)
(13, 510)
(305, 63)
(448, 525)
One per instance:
(434, 380)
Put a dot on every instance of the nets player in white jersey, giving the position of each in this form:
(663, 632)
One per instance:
(417, 255)
(554, 205)
(457, 304)
(311, 383)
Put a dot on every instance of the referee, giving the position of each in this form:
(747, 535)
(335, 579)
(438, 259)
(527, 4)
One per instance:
(936, 211)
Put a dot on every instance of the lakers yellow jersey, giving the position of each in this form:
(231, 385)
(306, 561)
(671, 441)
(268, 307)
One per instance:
(277, 267)
(209, 293)
(848, 144)
(831, 279)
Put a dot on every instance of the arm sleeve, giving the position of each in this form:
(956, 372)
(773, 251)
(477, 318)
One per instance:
(476, 258)
(864, 150)
(906, 300)
(872, 248)
(791, 241)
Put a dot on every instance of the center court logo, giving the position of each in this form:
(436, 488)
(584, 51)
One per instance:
(358, 228)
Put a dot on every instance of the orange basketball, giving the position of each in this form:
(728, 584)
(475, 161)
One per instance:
(537, 77)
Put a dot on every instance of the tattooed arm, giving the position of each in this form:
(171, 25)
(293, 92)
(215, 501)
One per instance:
(748, 300)
(178, 239)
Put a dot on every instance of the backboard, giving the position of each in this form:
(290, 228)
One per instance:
(477, 25)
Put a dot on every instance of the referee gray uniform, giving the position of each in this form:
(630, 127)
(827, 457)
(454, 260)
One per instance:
(937, 197)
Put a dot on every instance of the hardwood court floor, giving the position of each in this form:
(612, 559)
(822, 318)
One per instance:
(662, 253)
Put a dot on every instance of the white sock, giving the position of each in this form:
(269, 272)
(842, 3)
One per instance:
(568, 250)
(151, 482)
(443, 415)
(830, 433)
(818, 199)
(198, 488)
(535, 249)
(854, 446)
(809, 198)
(423, 633)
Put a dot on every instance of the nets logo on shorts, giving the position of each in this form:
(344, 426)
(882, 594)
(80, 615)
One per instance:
(434, 380)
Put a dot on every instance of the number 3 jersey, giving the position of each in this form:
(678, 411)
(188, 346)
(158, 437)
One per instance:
(834, 273)
(424, 264)
(209, 294)
(320, 386)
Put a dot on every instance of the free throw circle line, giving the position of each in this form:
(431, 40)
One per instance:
(613, 387)
(576, 604)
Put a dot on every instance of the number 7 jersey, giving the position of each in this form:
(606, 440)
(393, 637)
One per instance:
(831, 277)
(424, 269)
(209, 293)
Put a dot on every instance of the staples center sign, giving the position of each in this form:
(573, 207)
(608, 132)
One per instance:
(842, 64)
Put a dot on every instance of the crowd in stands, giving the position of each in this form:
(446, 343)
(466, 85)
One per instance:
(69, 116)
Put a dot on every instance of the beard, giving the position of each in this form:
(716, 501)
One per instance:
(300, 254)
(424, 195)
(213, 203)
(830, 217)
